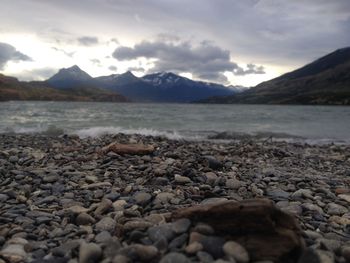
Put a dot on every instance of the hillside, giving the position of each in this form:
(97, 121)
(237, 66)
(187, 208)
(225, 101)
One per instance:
(325, 81)
(12, 89)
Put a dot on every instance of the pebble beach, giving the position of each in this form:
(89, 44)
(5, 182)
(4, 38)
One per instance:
(66, 199)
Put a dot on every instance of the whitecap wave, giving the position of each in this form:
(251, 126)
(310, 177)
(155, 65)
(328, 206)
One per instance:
(99, 131)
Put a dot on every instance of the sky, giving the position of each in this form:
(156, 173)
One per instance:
(236, 42)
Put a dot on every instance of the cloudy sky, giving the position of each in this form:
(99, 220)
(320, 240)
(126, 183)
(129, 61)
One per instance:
(239, 42)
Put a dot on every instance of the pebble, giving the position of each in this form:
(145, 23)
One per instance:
(84, 219)
(182, 179)
(142, 198)
(106, 224)
(236, 251)
(89, 253)
(175, 257)
(59, 194)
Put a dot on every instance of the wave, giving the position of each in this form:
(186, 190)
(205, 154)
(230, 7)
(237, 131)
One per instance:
(99, 131)
(226, 136)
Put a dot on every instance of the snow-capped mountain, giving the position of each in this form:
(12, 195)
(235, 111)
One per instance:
(156, 87)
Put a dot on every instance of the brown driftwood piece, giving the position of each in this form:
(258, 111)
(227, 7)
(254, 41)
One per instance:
(132, 149)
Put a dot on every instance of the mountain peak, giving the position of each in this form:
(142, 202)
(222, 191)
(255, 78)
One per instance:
(71, 76)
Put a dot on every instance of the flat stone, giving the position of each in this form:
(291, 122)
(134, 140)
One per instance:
(14, 253)
(84, 219)
(103, 237)
(175, 257)
(345, 197)
(142, 252)
(204, 257)
(193, 248)
(103, 206)
(89, 252)
(346, 253)
(335, 209)
(233, 184)
(236, 251)
(211, 244)
(106, 224)
(277, 194)
(211, 178)
(142, 198)
(162, 231)
(182, 179)
(181, 226)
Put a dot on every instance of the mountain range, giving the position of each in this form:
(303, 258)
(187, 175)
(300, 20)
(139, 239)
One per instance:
(157, 87)
(325, 81)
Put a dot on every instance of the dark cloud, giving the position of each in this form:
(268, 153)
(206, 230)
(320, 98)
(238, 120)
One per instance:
(251, 69)
(95, 61)
(68, 54)
(88, 41)
(205, 60)
(9, 53)
(112, 68)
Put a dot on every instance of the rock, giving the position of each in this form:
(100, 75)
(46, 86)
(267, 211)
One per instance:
(316, 256)
(84, 219)
(13, 159)
(103, 206)
(51, 178)
(142, 198)
(119, 205)
(181, 226)
(175, 257)
(182, 179)
(312, 208)
(89, 253)
(157, 232)
(77, 209)
(106, 224)
(335, 209)
(204, 229)
(3, 198)
(164, 197)
(277, 194)
(103, 237)
(302, 193)
(142, 252)
(120, 259)
(236, 251)
(136, 224)
(96, 185)
(204, 257)
(193, 248)
(346, 253)
(14, 253)
(211, 178)
(233, 184)
(178, 242)
(211, 244)
(345, 197)
(213, 163)
(132, 149)
(265, 231)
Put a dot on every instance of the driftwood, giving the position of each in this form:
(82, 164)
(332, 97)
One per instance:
(265, 231)
(132, 149)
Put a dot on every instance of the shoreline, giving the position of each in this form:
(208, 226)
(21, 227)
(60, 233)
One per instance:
(65, 197)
